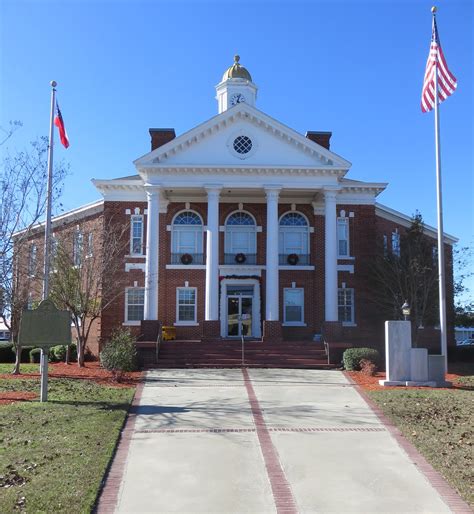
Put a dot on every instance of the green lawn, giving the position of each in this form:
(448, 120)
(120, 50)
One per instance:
(53, 455)
(440, 424)
(24, 368)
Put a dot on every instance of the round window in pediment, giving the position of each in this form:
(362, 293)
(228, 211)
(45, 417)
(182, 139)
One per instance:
(242, 144)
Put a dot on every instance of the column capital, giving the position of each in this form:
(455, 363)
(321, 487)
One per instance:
(330, 193)
(213, 190)
(272, 192)
(152, 189)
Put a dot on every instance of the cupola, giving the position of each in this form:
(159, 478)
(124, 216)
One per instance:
(236, 87)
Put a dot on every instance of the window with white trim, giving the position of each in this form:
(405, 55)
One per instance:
(186, 305)
(343, 237)
(32, 260)
(396, 243)
(134, 304)
(293, 234)
(77, 248)
(345, 305)
(293, 310)
(90, 244)
(136, 234)
(385, 245)
(240, 234)
(187, 234)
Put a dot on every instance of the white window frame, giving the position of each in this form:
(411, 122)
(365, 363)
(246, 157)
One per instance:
(133, 218)
(192, 322)
(352, 320)
(32, 260)
(302, 230)
(90, 242)
(300, 323)
(385, 245)
(77, 248)
(396, 243)
(133, 322)
(249, 230)
(343, 222)
(198, 235)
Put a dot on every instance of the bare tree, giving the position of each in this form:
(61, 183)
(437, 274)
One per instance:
(22, 205)
(87, 275)
(411, 275)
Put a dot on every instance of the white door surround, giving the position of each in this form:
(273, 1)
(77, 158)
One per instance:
(256, 314)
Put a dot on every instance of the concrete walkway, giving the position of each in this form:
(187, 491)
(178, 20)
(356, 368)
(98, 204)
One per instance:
(264, 441)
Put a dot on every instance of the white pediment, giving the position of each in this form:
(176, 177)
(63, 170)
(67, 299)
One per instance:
(273, 145)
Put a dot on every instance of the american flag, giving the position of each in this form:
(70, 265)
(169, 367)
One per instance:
(447, 82)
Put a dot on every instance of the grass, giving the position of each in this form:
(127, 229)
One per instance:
(440, 424)
(24, 368)
(53, 455)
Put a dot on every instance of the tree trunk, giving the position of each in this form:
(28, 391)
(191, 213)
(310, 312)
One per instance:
(67, 359)
(80, 352)
(16, 368)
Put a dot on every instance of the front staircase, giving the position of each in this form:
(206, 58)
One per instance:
(228, 354)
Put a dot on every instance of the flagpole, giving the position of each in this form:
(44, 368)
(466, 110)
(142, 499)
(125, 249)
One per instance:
(47, 242)
(441, 263)
(47, 230)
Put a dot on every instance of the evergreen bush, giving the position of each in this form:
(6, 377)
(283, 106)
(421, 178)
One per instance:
(353, 356)
(35, 355)
(119, 353)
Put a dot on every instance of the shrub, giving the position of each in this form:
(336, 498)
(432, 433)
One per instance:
(35, 355)
(367, 367)
(119, 354)
(6, 353)
(353, 356)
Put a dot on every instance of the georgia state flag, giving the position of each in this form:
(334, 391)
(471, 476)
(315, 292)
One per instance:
(59, 122)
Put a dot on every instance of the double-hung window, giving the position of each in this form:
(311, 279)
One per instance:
(240, 237)
(32, 260)
(186, 238)
(343, 237)
(77, 248)
(294, 237)
(293, 313)
(134, 304)
(186, 305)
(136, 235)
(396, 243)
(345, 305)
(90, 244)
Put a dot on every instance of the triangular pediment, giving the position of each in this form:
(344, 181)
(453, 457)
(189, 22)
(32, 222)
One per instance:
(266, 142)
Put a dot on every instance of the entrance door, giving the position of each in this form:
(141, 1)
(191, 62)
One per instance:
(239, 315)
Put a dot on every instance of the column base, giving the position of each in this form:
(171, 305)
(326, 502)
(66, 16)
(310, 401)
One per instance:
(272, 331)
(333, 331)
(211, 330)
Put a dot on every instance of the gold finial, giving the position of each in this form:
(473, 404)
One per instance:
(236, 58)
(434, 9)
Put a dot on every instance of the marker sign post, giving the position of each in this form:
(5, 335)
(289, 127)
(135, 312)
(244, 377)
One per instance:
(45, 327)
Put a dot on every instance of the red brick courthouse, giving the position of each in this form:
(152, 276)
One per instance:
(242, 226)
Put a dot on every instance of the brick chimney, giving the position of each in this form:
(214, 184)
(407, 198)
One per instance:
(321, 138)
(161, 136)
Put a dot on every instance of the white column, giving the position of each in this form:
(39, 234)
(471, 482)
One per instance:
(330, 248)
(152, 242)
(272, 285)
(212, 254)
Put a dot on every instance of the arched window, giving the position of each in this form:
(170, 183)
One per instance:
(186, 238)
(294, 239)
(240, 238)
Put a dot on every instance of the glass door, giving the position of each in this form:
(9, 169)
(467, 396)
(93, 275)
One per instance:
(239, 316)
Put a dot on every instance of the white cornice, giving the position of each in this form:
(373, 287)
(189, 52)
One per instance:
(405, 221)
(68, 217)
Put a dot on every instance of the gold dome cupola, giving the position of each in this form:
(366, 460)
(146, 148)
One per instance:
(236, 87)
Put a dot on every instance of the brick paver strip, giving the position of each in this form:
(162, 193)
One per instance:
(447, 493)
(109, 495)
(282, 494)
(270, 429)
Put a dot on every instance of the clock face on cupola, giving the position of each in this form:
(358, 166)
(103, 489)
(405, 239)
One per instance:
(236, 87)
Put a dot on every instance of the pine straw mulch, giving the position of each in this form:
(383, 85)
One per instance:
(92, 371)
(371, 383)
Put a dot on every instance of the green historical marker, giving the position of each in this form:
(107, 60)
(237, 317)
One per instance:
(44, 327)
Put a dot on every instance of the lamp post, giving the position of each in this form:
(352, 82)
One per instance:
(406, 310)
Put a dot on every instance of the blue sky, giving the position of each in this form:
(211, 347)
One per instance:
(354, 68)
